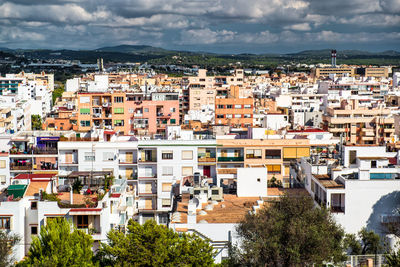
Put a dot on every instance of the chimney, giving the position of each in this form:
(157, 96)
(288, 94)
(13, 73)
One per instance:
(333, 57)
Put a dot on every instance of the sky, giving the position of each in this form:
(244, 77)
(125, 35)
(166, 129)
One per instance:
(222, 26)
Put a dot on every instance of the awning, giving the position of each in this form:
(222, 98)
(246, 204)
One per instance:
(85, 211)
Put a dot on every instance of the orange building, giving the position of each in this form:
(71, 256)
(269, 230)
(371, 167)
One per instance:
(233, 109)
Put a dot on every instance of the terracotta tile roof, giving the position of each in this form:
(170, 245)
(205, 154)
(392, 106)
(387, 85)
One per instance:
(77, 198)
(34, 186)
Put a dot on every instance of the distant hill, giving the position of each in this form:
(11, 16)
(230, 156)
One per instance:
(160, 56)
(344, 53)
(133, 49)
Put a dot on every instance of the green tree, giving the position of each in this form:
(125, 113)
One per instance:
(393, 258)
(58, 91)
(7, 242)
(154, 245)
(288, 232)
(36, 121)
(57, 245)
(365, 242)
(273, 182)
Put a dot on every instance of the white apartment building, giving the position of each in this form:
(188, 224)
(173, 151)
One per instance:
(362, 192)
(4, 170)
(152, 167)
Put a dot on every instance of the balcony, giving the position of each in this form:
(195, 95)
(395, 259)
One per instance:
(147, 160)
(17, 167)
(230, 159)
(69, 163)
(148, 177)
(45, 151)
(227, 171)
(206, 159)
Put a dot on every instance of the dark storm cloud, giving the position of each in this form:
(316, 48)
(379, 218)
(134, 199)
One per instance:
(241, 25)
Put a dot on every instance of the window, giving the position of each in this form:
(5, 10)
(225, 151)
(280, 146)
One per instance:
(276, 169)
(89, 156)
(118, 99)
(108, 156)
(119, 123)
(273, 154)
(118, 110)
(85, 123)
(84, 99)
(238, 115)
(238, 106)
(34, 230)
(166, 187)
(5, 223)
(145, 110)
(220, 106)
(246, 115)
(253, 154)
(166, 202)
(33, 205)
(187, 154)
(2, 164)
(82, 221)
(3, 179)
(167, 155)
(172, 109)
(373, 163)
(229, 106)
(131, 110)
(173, 121)
(353, 156)
(220, 116)
(187, 171)
(163, 218)
(247, 106)
(168, 170)
(228, 116)
(84, 111)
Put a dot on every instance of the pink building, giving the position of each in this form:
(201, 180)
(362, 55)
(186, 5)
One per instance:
(152, 116)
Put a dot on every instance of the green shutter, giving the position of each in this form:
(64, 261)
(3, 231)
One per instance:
(85, 111)
(117, 121)
(118, 110)
(173, 121)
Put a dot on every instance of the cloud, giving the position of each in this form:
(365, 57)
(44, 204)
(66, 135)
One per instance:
(299, 27)
(204, 24)
(390, 6)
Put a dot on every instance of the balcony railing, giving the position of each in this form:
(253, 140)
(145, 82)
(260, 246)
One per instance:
(45, 151)
(148, 160)
(227, 171)
(75, 139)
(17, 167)
(69, 162)
(230, 159)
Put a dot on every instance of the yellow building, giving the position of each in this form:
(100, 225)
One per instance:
(338, 71)
(360, 125)
(274, 154)
(376, 72)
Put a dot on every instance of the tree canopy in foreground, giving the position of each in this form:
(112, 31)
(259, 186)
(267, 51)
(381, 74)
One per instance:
(289, 232)
(57, 245)
(154, 245)
(7, 242)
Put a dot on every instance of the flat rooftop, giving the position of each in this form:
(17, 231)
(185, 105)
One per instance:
(326, 181)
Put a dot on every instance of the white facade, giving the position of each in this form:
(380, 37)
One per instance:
(252, 182)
